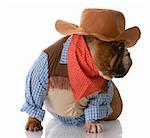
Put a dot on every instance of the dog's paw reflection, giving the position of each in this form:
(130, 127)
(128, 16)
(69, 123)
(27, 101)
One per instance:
(30, 134)
(56, 129)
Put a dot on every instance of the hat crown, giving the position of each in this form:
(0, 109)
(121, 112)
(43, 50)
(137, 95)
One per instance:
(107, 22)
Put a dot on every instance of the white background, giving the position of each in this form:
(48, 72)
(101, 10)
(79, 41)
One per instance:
(27, 27)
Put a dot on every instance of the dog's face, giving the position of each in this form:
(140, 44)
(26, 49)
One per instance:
(111, 58)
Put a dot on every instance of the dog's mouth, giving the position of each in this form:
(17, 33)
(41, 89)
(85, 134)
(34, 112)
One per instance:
(121, 64)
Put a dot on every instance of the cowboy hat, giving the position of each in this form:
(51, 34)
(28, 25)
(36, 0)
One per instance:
(105, 24)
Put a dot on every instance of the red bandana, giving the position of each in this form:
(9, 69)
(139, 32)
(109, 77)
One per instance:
(83, 74)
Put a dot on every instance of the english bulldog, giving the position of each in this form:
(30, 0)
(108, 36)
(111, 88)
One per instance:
(113, 60)
(48, 82)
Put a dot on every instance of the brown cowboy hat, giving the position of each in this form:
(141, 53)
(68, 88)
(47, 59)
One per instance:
(105, 24)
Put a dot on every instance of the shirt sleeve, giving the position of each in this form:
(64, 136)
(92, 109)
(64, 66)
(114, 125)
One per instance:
(99, 106)
(36, 88)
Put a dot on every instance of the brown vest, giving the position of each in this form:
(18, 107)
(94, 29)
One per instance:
(60, 97)
(54, 54)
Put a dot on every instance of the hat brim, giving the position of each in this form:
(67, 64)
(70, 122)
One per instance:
(130, 36)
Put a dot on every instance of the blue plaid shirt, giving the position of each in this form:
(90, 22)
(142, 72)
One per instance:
(37, 88)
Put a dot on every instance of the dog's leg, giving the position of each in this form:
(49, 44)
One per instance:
(94, 127)
(36, 92)
(33, 124)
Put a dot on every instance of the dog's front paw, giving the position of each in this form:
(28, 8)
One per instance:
(94, 127)
(33, 125)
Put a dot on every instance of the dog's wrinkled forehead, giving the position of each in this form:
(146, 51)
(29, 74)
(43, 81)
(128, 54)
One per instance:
(99, 46)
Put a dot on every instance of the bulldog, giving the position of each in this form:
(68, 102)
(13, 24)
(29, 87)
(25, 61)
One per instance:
(73, 77)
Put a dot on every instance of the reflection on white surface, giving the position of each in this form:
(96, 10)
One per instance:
(33, 134)
(56, 129)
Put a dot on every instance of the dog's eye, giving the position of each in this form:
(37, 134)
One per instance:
(120, 46)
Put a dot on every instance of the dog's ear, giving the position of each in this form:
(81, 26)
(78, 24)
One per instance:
(91, 39)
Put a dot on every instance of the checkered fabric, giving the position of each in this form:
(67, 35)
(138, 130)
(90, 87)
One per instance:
(64, 53)
(36, 87)
(70, 120)
(98, 108)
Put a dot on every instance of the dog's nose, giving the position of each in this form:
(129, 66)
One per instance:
(126, 53)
